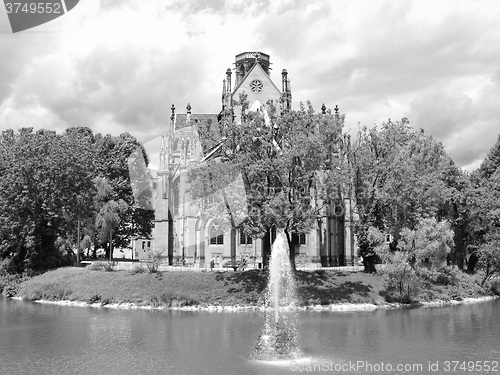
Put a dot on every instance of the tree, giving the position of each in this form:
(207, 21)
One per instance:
(489, 256)
(400, 177)
(286, 165)
(484, 204)
(401, 278)
(109, 213)
(428, 244)
(117, 158)
(40, 175)
(47, 188)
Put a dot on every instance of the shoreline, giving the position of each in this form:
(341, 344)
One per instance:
(335, 307)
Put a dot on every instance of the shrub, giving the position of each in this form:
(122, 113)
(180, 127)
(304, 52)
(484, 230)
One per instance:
(137, 269)
(9, 283)
(94, 298)
(495, 286)
(153, 261)
(446, 275)
(102, 266)
(401, 279)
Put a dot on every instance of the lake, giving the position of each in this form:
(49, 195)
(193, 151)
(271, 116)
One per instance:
(50, 339)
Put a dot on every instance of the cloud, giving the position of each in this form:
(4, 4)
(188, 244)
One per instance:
(120, 65)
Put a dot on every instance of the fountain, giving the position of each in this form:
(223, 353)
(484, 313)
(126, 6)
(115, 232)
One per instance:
(279, 339)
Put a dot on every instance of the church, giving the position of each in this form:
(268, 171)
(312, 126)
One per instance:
(181, 229)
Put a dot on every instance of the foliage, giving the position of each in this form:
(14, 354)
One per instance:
(372, 241)
(425, 247)
(137, 269)
(286, 166)
(495, 286)
(428, 244)
(484, 217)
(401, 278)
(109, 215)
(41, 179)
(154, 260)
(489, 257)
(107, 266)
(9, 282)
(401, 176)
(47, 187)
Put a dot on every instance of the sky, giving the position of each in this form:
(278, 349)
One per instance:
(118, 65)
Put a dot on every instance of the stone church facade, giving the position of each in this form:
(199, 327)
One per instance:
(181, 229)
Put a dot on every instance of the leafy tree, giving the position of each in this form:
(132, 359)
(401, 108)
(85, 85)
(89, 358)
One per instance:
(400, 176)
(286, 166)
(40, 175)
(47, 188)
(109, 213)
(428, 244)
(489, 256)
(484, 205)
(115, 158)
(491, 163)
(401, 278)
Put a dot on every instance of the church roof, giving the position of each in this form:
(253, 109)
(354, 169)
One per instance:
(256, 65)
(197, 119)
(201, 122)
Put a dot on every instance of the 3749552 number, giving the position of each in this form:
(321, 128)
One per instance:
(48, 8)
(469, 366)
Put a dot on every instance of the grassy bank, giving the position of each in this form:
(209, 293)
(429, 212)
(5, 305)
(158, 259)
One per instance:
(178, 289)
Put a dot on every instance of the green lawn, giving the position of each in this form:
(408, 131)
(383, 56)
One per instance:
(176, 289)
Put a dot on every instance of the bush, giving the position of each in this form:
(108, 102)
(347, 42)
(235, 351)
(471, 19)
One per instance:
(137, 269)
(102, 266)
(495, 286)
(401, 279)
(9, 283)
(446, 275)
(153, 261)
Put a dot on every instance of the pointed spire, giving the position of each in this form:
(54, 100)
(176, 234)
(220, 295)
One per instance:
(188, 113)
(172, 121)
(228, 79)
(323, 109)
(286, 90)
(284, 75)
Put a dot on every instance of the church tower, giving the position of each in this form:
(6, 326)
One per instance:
(183, 230)
(253, 78)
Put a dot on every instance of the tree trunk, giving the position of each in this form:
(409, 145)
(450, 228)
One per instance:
(266, 249)
(111, 245)
(486, 273)
(471, 264)
(369, 264)
(291, 250)
(233, 245)
(94, 250)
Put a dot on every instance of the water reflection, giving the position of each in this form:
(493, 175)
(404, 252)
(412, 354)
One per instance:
(47, 339)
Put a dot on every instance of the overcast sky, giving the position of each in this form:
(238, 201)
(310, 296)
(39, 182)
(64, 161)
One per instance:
(117, 66)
